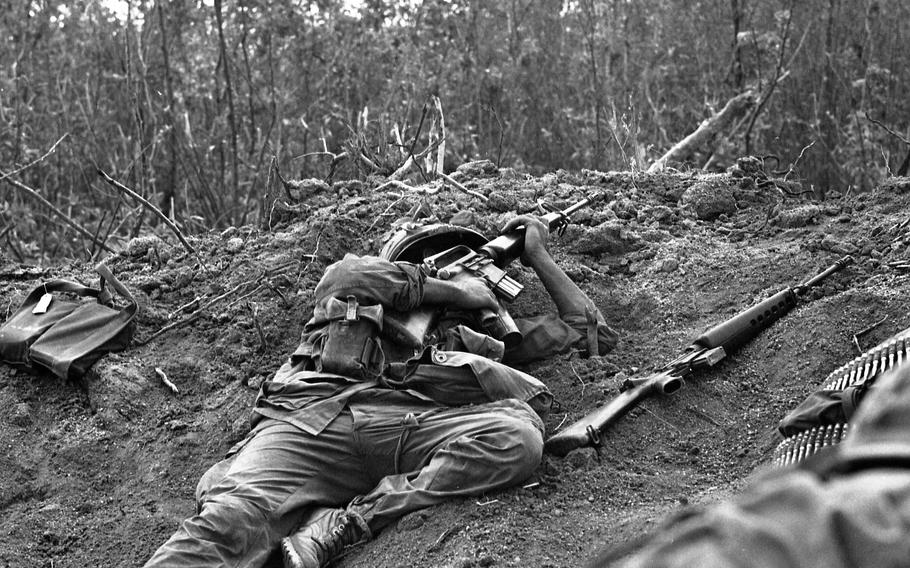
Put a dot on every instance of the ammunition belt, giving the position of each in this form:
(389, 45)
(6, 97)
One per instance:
(863, 370)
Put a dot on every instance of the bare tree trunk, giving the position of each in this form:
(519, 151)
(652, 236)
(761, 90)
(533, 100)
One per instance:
(235, 182)
(249, 78)
(736, 64)
(590, 30)
(169, 192)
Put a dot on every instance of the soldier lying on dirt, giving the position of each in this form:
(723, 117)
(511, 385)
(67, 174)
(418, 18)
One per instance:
(846, 506)
(335, 456)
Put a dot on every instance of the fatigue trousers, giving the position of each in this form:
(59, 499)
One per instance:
(378, 461)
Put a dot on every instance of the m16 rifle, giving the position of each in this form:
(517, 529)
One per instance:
(707, 350)
(487, 261)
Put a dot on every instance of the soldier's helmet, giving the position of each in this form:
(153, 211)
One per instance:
(413, 242)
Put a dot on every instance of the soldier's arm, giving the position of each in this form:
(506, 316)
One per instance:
(567, 296)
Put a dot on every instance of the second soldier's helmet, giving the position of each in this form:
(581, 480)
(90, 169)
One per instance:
(413, 242)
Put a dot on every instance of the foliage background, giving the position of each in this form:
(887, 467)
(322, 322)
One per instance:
(187, 101)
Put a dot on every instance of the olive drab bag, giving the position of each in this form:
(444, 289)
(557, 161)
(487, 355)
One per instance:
(65, 337)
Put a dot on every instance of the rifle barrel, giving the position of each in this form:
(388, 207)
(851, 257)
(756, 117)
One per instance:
(506, 248)
(815, 280)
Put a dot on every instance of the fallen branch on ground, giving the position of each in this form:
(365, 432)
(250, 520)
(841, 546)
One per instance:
(708, 128)
(457, 185)
(167, 382)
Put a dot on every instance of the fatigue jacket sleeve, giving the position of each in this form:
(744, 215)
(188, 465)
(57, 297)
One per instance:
(373, 280)
(552, 334)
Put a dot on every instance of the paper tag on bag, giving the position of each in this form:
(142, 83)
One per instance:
(43, 304)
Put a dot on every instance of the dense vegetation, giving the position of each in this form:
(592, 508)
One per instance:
(187, 102)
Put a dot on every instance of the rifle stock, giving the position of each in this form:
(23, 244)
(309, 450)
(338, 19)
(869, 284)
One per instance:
(706, 350)
(587, 431)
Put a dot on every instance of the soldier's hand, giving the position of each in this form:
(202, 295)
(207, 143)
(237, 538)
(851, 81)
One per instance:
(537, 234)
(474, 294)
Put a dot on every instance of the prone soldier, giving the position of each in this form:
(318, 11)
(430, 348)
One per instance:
(359, 428)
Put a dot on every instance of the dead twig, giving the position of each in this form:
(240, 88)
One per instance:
(798, 158)
(385, 212)
(561, 422)
(185, 307)
(704, 416)
(157, 212)
(192, 316)
(460, 187)
(871, 327)
(263, 344)
(403, 170)
(485, 503)
(577, 376)
(660, 418)
(441, 150)
(437, 544)
(312, 256)
(402, 186)
(82, 231)
(886, 129)
(35, 161)
(863, 332)
(166, 381)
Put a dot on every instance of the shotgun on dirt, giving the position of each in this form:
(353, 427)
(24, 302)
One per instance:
(707, 350)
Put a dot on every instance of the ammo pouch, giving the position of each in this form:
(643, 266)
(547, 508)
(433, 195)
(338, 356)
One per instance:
(352, 345)
(63, 336)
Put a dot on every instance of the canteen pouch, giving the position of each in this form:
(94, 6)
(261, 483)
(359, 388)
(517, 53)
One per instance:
(69, 336)
(351, 345)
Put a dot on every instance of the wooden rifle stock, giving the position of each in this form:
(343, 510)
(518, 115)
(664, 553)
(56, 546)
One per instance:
(587, 432)
(706, 350)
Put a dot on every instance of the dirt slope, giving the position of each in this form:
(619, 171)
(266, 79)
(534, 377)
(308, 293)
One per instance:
(100, 474)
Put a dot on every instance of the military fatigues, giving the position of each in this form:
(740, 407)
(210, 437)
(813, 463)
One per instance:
(451, 420)
(846, 507)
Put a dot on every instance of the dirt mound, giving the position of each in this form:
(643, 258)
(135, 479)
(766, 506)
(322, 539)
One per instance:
(101, 473)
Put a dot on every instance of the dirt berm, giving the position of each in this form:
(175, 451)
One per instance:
(101, 473)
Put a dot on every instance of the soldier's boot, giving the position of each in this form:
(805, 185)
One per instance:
(324, 538)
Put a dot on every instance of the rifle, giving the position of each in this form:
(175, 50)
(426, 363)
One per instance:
(488, 262)
(706, 350)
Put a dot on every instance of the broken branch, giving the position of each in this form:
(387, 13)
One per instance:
(166, 381)
(157, 212)
(457, 185)
(708, 128)
(82, 231)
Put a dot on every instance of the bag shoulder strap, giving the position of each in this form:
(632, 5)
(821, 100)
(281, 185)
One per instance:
(56, 286)
(107, 277)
